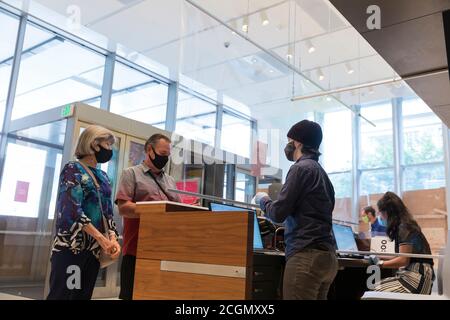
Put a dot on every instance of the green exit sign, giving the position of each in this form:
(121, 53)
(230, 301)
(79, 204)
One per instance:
(67, 111)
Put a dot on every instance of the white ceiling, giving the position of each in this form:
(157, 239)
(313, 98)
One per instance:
(188, 42)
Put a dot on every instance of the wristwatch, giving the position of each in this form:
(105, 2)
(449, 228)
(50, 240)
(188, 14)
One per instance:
(380, 263)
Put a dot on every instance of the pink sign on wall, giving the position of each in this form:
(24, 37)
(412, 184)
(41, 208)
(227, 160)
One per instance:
(21, 194)
(190, 185)
(260, 155)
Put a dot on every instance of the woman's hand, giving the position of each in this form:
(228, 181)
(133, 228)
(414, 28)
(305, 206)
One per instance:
(106, 244)
(115, 251)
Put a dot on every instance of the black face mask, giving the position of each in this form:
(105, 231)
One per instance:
(103, 155)
(289, 151)
(160, 161)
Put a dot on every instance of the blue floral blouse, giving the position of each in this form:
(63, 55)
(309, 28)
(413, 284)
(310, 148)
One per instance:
(77, 205)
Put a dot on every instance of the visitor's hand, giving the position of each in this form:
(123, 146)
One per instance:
(258, 197)
(106, 244)
(115, 250)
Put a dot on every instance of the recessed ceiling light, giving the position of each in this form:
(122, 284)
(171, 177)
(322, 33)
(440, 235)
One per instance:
(254, 60)
(233, 26)
(320, 74)
(264, 18)
(245, 24)
(349, 68)
(289, 54)
(328, 98)
(270, 71)
(310, 46)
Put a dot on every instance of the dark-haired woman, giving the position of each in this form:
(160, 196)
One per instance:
(416, 275)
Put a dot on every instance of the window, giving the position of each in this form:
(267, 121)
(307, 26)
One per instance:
(196, 118)
(138, 96)
(424, 177)
(20, 192)
(377, 181)
(337, 150)
(376, 143)
(53, 72)
(342, 183)
(245, 187)
(7, 45)
(236, 134)
(376, 150)
(422, 138)
(423, 147)
(337, 141)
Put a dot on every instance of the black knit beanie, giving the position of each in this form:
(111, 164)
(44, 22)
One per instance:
(306, 132)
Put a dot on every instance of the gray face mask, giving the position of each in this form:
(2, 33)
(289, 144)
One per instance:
(289, 151)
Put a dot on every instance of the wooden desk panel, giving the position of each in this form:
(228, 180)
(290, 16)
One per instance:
(156, 284)
(206, 237)
(189, 253)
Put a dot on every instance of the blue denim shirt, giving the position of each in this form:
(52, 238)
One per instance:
(377, 228)
(305, 205)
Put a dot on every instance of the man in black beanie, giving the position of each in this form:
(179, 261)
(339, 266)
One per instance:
(305, 205)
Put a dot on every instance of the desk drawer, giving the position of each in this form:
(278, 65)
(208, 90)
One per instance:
(265, 290)
(266, 273)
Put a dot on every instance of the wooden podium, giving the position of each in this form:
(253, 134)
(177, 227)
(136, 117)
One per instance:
(186, 252)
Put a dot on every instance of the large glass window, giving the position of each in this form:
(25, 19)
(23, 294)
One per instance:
(377, 181)
(376, 150)
(28, 202)
(245, 187)
(376, 142)
(342, 183)
(196, 118)
(423, 147)
(236, 134)
(337, 158)
(337, 141)
(9, 26)
(138, 96)
(428, 176)
(54, 71)
(337, 150)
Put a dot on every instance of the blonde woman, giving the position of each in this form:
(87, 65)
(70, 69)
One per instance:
(80, 218)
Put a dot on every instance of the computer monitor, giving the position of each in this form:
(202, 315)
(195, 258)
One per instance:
(345, 240)
(257, 239)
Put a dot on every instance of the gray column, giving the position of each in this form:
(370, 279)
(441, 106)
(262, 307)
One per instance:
(397, 126)
(108, 78)
(172, 103)
(319, 118)
(12, 90)
(446, 134)
(356, 173)
(218, 132)
(254, 141)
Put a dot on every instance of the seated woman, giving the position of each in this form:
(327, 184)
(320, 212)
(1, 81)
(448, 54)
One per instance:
(416, 274)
